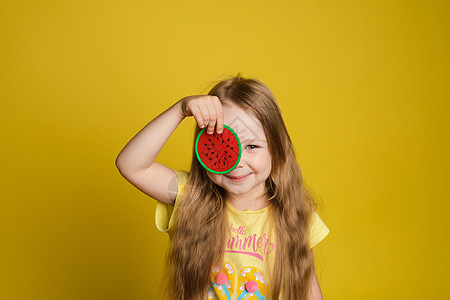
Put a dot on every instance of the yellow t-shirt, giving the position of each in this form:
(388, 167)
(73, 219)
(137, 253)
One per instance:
(250, 245)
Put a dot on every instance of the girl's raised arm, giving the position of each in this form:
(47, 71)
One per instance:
(136, 161)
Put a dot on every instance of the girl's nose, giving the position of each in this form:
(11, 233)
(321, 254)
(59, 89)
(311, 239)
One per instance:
(241, 163)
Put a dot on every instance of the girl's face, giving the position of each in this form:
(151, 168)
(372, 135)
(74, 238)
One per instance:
(247, 180)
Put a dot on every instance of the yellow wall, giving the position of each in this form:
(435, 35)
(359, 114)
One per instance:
(363, 86)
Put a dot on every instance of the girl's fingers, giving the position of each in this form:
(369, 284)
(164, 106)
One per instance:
(197, 115)
(208, 113)
(203, 108)
(212, 116)
(219, 114)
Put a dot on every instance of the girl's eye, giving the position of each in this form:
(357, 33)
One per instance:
(254, 146)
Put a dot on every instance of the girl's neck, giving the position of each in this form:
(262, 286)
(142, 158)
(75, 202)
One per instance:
(244, 203)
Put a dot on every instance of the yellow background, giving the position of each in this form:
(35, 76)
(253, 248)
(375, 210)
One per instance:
(363, 87)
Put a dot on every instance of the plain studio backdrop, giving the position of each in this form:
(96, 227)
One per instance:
(363, 88)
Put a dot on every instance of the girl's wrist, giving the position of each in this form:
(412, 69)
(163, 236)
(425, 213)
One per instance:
(178, 107)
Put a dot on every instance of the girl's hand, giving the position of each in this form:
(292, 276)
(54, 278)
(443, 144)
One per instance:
(206, 109)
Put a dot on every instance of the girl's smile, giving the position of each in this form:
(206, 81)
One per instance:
(238, 178)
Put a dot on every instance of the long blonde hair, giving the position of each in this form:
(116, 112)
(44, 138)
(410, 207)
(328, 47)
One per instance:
(199, 231)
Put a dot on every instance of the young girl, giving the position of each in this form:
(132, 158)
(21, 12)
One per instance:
(246, 234)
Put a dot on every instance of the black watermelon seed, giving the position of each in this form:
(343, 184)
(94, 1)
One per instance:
(205, 144)
(226, 151)
(212, 152)
(213, 144)
(231, 147)
(209, 140)
(228, 156)
(217, 138)
(217, 156)
(228, 145)
(224, 158)
(210, 158)
(214, 163)
(206, 154)
(224, 163)
(219, 161)
(228, 140)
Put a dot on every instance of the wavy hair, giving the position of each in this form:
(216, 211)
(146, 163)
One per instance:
(197, 238)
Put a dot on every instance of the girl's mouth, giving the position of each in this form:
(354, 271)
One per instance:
(238, 179)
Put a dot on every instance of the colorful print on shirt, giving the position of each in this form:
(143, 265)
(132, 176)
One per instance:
(251, 284)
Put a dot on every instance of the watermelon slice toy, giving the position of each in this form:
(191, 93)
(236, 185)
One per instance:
(218, 153)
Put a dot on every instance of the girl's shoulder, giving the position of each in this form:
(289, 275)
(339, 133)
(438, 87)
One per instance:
(318, 230)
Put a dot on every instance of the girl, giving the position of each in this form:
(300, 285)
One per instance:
(246, 234)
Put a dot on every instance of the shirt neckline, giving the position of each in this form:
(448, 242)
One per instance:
(248, 211)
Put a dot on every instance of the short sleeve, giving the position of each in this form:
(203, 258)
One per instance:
(318, 230)
(164, 211)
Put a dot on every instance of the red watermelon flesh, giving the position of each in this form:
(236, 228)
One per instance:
(218, 153)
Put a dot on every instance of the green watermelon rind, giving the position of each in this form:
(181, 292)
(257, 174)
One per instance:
(239, 154)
